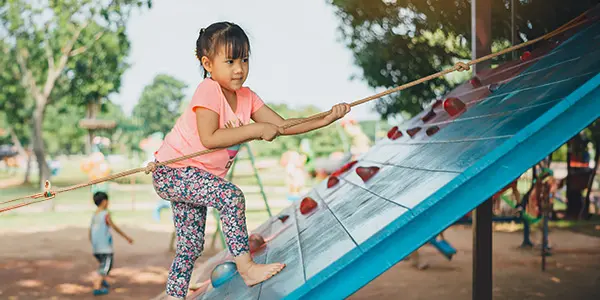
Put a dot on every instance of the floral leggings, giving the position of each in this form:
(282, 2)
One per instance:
(191, 190)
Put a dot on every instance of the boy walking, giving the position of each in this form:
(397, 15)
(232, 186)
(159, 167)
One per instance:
(101, 239)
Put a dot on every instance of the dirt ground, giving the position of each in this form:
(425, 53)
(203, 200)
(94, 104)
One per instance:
(57, 264)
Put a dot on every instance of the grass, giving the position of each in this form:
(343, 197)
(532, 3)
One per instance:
(121, 190)
(82, 219)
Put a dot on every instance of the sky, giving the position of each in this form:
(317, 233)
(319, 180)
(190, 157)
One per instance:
(297, 55)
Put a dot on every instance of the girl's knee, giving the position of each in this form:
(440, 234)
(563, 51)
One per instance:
(235, 196)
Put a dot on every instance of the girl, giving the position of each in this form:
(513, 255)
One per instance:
(218, 117)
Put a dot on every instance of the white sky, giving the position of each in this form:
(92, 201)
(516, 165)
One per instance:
(296, 57)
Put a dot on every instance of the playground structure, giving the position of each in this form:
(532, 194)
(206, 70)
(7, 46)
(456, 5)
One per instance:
(428, 174)
(361, 221)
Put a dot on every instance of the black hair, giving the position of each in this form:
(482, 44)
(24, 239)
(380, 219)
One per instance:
(222, 34)
(99, 197)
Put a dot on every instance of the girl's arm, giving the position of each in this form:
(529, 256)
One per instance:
(212, 136)
(266, 115)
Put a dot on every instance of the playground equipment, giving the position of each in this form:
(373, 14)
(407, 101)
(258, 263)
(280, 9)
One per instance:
(363, 225)
(96, 166)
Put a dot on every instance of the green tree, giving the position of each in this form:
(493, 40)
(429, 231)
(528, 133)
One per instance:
(160, 104)
(46, 37)
(398, 41)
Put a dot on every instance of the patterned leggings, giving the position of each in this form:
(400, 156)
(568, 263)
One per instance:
(190, 191)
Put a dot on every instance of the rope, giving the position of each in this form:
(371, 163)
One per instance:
(151, 167)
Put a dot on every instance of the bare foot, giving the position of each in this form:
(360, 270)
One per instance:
(257, 273)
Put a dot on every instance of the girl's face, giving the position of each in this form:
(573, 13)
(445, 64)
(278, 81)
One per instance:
(230, 73)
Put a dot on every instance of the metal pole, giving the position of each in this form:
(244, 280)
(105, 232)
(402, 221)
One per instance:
(513, 31)
(481, 31)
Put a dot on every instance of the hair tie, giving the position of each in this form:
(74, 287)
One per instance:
(202, 30)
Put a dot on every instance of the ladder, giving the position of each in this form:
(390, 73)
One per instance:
(215, 212)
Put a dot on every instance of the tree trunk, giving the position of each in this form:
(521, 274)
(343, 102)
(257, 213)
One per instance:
(39, 149)
(28, 168)
(92, 112)
(16, 142)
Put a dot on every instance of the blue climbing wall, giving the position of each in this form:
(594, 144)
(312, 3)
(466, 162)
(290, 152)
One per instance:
(516, 114)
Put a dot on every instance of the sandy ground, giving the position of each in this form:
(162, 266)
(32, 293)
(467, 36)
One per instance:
(57, 264)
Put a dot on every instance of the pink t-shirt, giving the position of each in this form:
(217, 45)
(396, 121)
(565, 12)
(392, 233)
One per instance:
(184, 139)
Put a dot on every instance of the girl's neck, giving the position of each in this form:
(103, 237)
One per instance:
(231, 98)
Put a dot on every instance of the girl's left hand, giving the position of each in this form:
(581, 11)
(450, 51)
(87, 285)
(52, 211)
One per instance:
(338, 111)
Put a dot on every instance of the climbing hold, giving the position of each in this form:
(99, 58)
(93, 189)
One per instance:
(344, 168)
(430, 115)
(332, 181)
(432, 130)
(307, 205)
(365, 173)
(394, 133)
(475, 82)
(256, 242)
(283, 218)
(222, 273)
(525, 56)
(437, 103)
(413, 131)
(493, 87)
(453, 106)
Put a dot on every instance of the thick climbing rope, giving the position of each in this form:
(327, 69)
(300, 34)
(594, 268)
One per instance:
(150, 167)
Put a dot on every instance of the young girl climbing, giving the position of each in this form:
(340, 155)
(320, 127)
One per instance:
(218, 117)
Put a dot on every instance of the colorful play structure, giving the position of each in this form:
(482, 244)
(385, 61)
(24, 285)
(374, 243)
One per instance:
(427, 175)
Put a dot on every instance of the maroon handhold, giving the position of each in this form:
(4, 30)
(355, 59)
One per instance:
(255, 241)
(525, 56)
(432, 130)
(475, 82)
(307, 205)
(430, 115)
(453, 106)
(365, 173)
(413, 131)
(437, 103)
(394, 133)
(283, 218)
(344, 168)
(332, 181)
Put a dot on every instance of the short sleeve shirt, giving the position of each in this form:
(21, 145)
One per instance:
(184, 139)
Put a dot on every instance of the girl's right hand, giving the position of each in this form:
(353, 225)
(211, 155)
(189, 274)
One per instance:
(269, 131)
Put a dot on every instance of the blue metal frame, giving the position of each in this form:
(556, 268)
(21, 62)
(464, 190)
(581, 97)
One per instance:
(494, 171)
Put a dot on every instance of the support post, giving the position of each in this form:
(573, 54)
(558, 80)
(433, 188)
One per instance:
(481, 32)
(482, 251)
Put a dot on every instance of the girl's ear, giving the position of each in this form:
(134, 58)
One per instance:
(206, 64)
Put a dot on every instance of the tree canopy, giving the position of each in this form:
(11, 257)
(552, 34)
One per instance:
(398, 41)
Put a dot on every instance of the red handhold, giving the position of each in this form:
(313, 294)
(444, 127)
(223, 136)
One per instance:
(525, 56)
(365, 173)
(347, 166)
(413, 131)
(437, 103)
(283, 218)
(453, 106)
(430, 115)
(394, 133)
(256, 242)
(332, 181)
(307, 205)
(432, 130)
(475, 82)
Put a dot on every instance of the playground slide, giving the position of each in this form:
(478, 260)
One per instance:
(409, 188)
